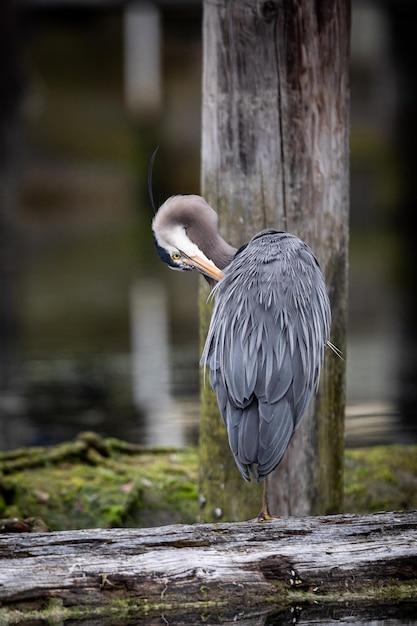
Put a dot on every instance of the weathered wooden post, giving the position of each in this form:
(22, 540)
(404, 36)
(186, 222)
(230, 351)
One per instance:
(275, 154)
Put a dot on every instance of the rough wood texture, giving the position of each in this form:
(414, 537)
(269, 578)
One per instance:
(232, 568)
(275, 154)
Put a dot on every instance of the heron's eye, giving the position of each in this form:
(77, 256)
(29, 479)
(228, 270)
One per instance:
(176, 256)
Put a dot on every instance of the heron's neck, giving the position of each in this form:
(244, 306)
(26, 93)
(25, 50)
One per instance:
(222, 253)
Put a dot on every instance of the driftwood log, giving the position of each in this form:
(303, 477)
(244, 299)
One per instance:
(241, 572)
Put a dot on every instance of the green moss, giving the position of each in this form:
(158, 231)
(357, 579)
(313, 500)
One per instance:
(97, 483)
(390, 590)
(55, 612)
(381, 478)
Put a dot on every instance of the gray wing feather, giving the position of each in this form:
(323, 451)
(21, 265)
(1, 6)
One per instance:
(265, 346)
(275, 435)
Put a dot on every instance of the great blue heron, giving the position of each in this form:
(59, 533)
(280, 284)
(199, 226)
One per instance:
(268, 332)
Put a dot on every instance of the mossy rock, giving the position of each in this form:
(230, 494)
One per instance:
(94, 482)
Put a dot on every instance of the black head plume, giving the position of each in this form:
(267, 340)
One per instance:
(150, 171)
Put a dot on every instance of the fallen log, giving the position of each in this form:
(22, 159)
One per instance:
(245, 569)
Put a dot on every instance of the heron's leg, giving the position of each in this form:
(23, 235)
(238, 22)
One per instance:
(265, 515)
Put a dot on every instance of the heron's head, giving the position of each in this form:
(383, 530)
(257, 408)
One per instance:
(185, 234)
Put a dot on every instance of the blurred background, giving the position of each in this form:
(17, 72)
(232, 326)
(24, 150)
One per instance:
(95, 332)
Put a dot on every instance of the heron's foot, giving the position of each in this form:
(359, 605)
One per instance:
(265, 516)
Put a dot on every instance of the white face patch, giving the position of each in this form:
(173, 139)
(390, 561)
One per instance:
(174, 239)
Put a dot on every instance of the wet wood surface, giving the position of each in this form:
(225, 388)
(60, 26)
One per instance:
(282, 564)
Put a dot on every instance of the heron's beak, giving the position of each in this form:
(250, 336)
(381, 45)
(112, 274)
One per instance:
(205, 266)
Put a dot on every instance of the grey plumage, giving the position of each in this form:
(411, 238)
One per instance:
(268, 332)
(265, 346)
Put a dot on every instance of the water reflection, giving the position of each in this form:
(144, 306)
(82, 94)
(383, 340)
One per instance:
(65, 397)
(151, 374)
(331, 615)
